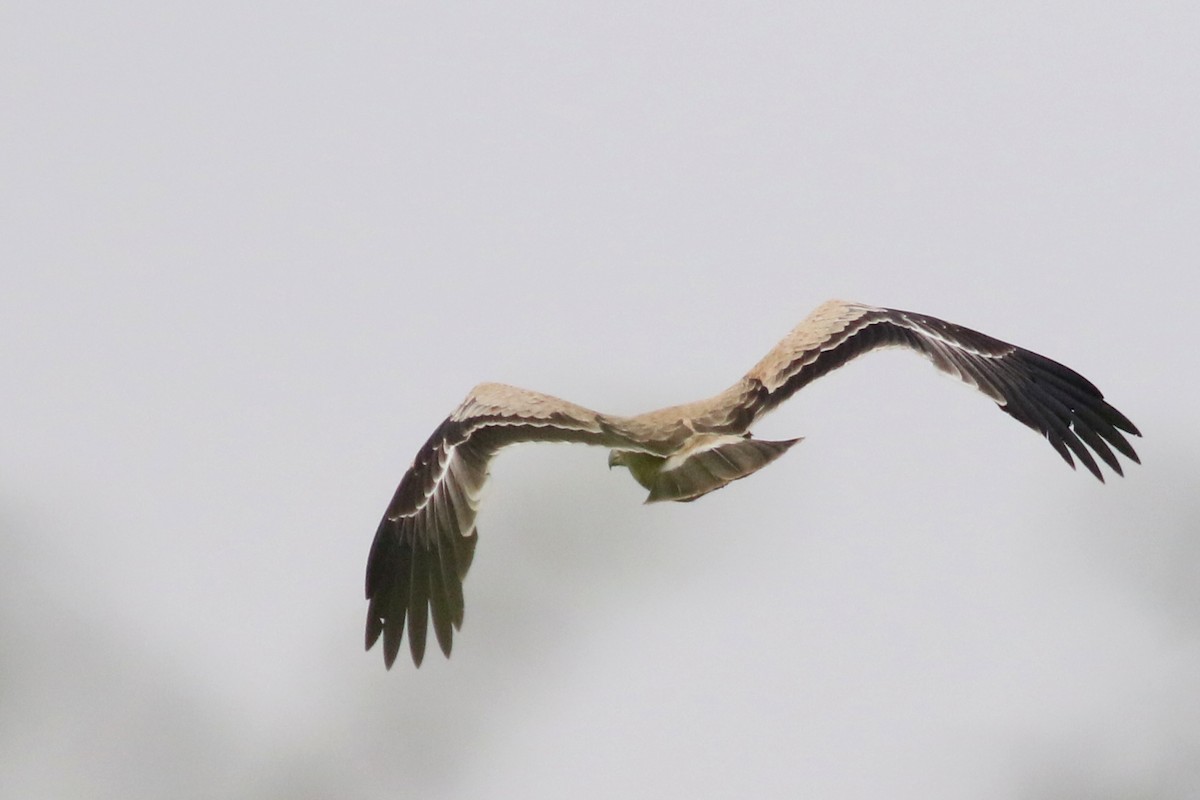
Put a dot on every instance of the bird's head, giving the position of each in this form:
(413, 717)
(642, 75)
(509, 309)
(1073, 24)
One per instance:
(644, 467)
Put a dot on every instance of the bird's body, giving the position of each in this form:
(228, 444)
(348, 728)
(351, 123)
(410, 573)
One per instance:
(426, 539)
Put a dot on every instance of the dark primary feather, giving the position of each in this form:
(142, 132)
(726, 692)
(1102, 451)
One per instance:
(424, 545)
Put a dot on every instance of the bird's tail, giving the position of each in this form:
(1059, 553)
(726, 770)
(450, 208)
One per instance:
(708, 469)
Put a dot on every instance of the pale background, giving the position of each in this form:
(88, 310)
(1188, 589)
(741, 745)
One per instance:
(253, 253)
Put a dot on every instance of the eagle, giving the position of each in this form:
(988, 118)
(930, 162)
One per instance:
(426, 540)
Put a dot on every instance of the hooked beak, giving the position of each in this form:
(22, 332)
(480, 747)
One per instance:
(614, 459)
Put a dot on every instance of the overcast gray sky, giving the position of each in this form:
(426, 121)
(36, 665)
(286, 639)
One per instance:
(253, 254)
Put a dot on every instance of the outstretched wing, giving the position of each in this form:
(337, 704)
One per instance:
(1047, 396)
(426, 539)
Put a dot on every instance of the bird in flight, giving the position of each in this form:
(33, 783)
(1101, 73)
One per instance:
(426, 540)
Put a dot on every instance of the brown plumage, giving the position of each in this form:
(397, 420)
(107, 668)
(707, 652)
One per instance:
(426, 540)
